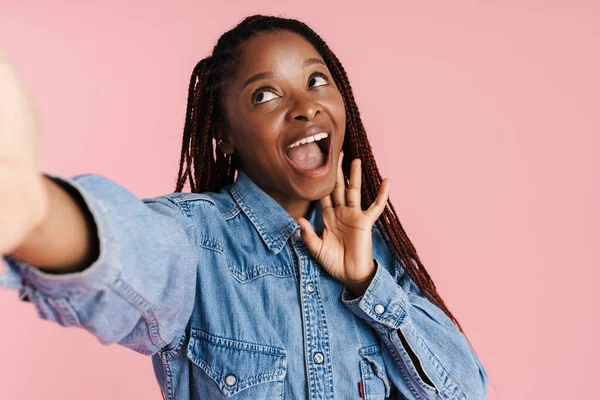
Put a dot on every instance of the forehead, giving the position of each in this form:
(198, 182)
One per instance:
(269, 51)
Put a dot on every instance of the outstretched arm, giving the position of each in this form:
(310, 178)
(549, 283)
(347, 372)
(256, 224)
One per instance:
(85, 251)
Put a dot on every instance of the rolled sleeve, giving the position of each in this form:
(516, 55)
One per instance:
(140, 290)
(383, 303)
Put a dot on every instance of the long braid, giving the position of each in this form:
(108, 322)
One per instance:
(213, 170)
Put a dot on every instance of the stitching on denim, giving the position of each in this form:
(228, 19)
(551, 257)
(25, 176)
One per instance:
(239, 199)
(127, 292)
(293, 263)
(232, 213)
(237, 344)
(415, 374)
(171, 353)
(211, 244)
(365, 377)
(190, 197)
(369, 353)
(169, 372)
(400, 362)
(258, 271)
(327, 346)
(275, 373)
(308, 339)
(442, 372)
(307, 301)
(72, 312)
(275, 244)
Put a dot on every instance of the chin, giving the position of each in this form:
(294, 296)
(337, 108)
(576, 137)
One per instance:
(316, 190)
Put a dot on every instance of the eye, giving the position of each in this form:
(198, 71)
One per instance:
(259, 95)
(315, 78)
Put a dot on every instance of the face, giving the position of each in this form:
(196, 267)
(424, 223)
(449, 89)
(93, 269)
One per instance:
(283, 92)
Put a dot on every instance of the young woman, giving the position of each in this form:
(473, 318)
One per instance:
(284, 274)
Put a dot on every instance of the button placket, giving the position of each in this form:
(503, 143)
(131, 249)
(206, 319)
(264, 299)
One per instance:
(315, 330)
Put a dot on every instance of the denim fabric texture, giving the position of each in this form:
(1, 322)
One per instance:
(221, 292)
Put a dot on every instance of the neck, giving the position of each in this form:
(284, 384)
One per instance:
(296, 208)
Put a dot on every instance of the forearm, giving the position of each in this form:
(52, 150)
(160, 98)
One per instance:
(139, 291)
(65, 241)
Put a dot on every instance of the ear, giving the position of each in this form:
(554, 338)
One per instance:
(222, 133)
(226, 146)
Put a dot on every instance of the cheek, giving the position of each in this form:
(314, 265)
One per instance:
(340, 113)
(258, 131)
(258, 144)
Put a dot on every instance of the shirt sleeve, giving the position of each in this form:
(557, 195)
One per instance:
(140, 290)
(407, 321)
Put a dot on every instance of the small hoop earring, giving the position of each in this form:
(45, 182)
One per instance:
(219, 142)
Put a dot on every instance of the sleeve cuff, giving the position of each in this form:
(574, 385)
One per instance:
(18, 274)
(383, 303)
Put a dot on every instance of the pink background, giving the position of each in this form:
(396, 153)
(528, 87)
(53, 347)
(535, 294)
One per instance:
(485, 116)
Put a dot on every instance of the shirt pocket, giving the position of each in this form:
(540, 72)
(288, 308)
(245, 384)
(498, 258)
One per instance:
(374, 379)
(237, 369)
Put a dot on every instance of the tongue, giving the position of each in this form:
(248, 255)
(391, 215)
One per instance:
(306, 156)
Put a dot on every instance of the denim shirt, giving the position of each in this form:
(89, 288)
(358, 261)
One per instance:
(220, 290)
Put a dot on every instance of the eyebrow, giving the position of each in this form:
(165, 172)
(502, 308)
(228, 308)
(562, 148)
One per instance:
(267, 75)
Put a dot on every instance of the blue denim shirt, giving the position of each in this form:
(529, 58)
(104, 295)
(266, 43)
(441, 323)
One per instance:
(221, 292)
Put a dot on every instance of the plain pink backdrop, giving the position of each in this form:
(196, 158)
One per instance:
(485, 116)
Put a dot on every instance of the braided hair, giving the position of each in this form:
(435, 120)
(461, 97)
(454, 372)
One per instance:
(208, 169)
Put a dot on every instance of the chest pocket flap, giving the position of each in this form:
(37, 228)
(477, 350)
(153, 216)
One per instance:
(235, 365)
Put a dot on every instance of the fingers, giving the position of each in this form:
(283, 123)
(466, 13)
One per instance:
(338, 196)
(378, 205)
(311, 239)
(353, 193)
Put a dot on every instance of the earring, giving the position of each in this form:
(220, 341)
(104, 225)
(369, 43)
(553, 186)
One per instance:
(219, 143)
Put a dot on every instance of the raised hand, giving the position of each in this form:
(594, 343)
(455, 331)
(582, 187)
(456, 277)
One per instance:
(345, 249)
(23, 199)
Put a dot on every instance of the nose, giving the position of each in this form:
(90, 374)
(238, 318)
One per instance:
(304, 108)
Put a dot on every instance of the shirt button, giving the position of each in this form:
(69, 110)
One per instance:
(379, 309)
(230, 380)
(318, 358)
(310, 287)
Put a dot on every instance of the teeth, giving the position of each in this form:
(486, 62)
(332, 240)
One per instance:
(309, 139)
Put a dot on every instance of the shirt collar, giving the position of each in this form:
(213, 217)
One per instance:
(268, 217)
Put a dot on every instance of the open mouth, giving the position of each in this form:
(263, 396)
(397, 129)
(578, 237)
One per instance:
(310, 158)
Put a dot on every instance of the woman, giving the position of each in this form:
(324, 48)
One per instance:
(268, 280)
